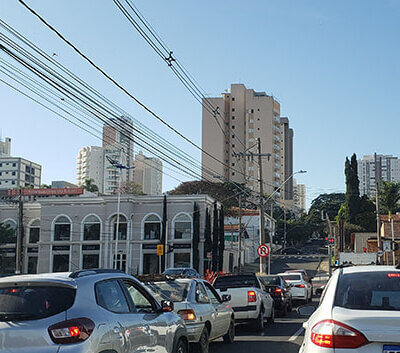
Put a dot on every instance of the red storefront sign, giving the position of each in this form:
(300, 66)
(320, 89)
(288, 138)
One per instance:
(45, 192)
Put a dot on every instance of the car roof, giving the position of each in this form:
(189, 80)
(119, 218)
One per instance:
(370, 268)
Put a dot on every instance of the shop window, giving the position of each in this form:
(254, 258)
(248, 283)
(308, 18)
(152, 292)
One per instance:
(182, 260)
(32, 264)
(122, 227)
(62, 229)
(61, 263)
(183, 227)
(152, 227)
(120, 260)
(150, 263)
(90, 261)
(91, 228)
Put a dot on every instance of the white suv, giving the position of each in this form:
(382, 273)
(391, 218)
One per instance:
(300, 288)
(359, 312)
(89, 311)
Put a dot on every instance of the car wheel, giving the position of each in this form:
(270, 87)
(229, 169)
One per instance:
(259, 322)
(229, 337)
(271, 319)
(181, 347)
(203, 346)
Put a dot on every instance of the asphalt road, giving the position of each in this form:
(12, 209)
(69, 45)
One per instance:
(285, 334)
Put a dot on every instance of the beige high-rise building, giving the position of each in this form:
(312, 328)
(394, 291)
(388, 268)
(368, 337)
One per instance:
(148, 174)
(5, 147)
(243, 116)
(299, 197)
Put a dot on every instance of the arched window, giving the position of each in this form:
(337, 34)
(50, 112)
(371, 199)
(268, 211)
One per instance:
(122, 227)
(183, 227)
(11, 230)
(152, 227)
(34, 232)
(62, 229)
(91, 228)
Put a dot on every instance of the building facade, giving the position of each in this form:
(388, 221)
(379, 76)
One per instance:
(90, 165)
(376, 168)
(243, 116)
(5, 147)
(299, 197)
(18, 172)
(148, 174)
(79, 232)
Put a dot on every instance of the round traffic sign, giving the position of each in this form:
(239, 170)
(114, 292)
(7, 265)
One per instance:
(263, 250)
(379, 253)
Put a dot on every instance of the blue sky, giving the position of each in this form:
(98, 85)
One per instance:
(333, 65)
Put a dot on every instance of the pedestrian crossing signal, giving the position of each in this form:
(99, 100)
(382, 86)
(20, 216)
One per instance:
(160, 250)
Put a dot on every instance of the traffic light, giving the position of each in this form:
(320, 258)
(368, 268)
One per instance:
(395, 246)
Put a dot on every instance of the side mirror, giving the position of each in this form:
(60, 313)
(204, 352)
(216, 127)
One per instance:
(167, 306)
(226, 298)
(306, 310)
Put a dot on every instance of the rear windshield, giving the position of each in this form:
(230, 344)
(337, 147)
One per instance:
(175, 271)
(369, 291)
(171, 290)
(34, 302)
(236, 282)
(271, 281)
(292, 277)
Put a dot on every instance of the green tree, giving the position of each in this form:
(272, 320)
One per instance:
(389, 196)
(90, 186)
(329, 203)
(352, 189)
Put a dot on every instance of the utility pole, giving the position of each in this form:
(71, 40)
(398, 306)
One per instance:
(20, 234)
(262, 219)
(240, 235)
(284, 227)
(378, 222)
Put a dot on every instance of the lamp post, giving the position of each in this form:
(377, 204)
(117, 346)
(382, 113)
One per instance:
(119, 166)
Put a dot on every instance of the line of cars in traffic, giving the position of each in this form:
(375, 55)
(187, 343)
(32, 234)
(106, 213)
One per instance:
(108, 311)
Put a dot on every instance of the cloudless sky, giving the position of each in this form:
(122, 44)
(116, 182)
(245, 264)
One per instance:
(333, 65)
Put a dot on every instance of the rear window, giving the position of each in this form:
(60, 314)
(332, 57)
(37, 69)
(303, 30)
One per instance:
(171, 290)
(236, 282)
(369, 291)
(34, 302)
(292, 277)
(271, 281)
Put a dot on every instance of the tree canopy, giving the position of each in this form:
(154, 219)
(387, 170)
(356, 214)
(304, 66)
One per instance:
(389, 196)
(90, 186)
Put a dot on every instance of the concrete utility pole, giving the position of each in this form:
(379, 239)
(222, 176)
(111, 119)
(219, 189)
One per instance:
(284, 227)
(378, 222)
(20, 234)
(262, 216)
(240, 235)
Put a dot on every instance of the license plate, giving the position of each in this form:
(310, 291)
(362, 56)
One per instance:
(391, 349)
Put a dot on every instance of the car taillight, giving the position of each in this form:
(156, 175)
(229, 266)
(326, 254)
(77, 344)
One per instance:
(300, 286)
(71, 331)
(187, 315)
(334, 334)
(251, 296)
(278, 290)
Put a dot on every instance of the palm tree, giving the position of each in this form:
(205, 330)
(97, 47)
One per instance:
(90, 186)
(389, 196)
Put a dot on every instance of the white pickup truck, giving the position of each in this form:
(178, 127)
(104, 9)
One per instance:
(250, 301)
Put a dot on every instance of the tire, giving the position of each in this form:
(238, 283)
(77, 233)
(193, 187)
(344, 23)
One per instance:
(203, 346)
(259, 322)
(271, 319)
(229, 337)
(181, 347)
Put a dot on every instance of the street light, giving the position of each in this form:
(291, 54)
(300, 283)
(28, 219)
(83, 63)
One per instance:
(119, 166)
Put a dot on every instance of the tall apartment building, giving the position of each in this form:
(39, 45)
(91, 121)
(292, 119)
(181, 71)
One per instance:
(299, 197)
(5, 147)
(148, 174)
(243, 116)
(90, 166)
(19, 172)
(287, 163)
(376, 168)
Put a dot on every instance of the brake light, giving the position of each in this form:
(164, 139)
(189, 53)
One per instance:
(334, 334)
(278, 290)
(71, 331)
(300, 286)
(251, 296)
(391, 275)
(187, 315)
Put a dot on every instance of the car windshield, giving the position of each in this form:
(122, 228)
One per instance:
(291, 277)
(236, 281)
(34, 302)
(271, 280)
(378, 290)
(171, 290)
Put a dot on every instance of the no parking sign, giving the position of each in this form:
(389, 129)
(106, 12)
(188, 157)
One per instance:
(263, 250)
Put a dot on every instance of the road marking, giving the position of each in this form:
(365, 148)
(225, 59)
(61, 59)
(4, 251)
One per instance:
(296, 334)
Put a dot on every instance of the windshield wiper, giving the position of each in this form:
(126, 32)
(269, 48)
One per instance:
(16, 316)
